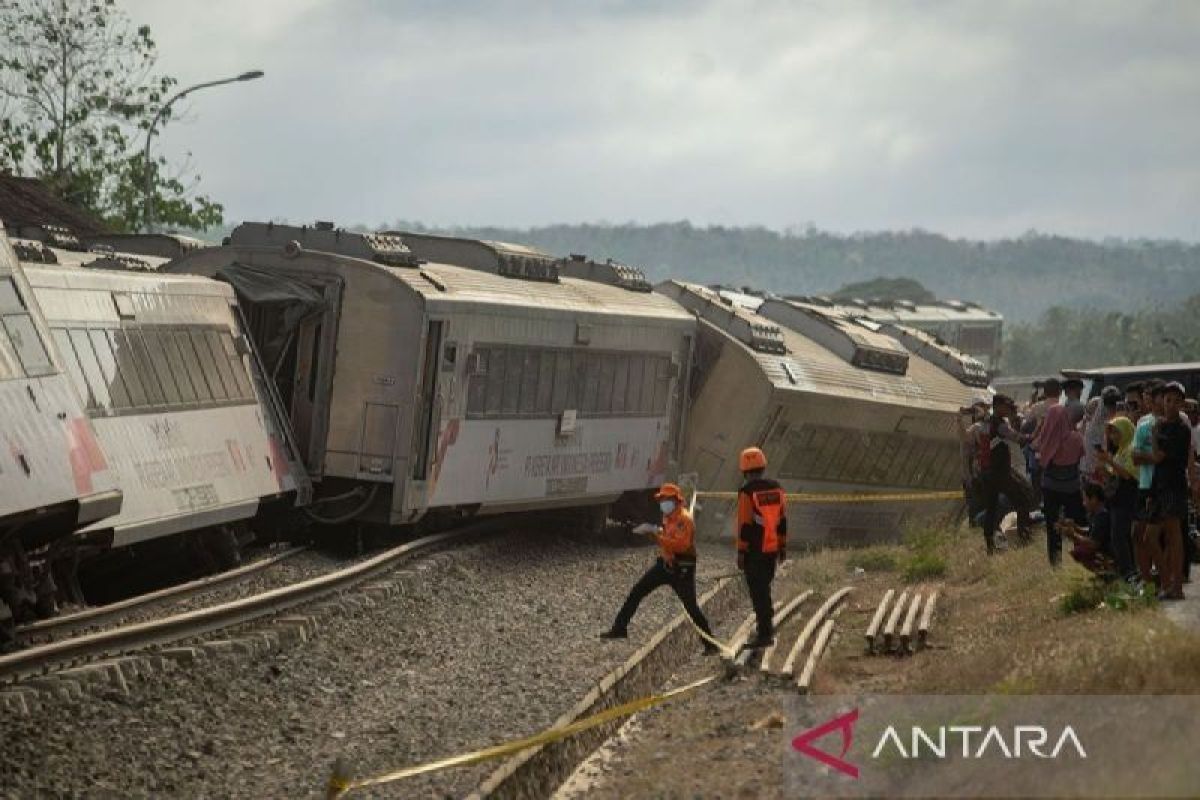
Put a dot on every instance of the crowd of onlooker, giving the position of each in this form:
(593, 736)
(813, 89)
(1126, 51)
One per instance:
(1116, 477)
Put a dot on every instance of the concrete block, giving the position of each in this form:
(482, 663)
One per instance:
(15, 703)
(182, 655)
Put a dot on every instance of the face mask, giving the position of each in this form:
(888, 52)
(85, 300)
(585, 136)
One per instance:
(667, 506)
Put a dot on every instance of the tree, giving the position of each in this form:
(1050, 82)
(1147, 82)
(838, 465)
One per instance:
(78, 84)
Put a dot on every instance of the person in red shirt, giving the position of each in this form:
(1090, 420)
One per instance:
(675, 567)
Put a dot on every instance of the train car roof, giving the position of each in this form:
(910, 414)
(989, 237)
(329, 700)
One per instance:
(795, 362)
(33, 251)
(905, 311)
(69, 277)
(1139, 369)
(485, 274)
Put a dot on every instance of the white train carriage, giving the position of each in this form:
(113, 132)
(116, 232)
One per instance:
(54, 475)
(838, 407)
(175, 397)
(497, 383)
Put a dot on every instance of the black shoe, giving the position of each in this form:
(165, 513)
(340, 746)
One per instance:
(710, 649)
(615, 634)
(759, 643)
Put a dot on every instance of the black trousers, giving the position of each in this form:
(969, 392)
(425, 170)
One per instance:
(760, 571)
(1055, 506)
(991, 486)
(682, 578)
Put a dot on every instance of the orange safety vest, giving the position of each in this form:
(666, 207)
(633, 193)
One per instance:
(764, 509)
(677, 540)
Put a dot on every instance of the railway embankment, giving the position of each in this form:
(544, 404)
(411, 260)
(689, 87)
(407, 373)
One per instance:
(1006, 624)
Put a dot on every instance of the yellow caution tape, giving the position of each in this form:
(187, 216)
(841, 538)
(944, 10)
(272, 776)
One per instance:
(725, 649)
(339, 785)
(851, 497)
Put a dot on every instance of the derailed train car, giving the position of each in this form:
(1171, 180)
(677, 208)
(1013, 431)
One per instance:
(187, 425)
(54, 476)
(838, 406)
(459, 377)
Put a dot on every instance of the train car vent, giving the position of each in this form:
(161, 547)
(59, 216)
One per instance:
(58, 236)
(611, 272)
(967, 370)
(857, 344)
(390, 250)
(530, 269)
(32, 252)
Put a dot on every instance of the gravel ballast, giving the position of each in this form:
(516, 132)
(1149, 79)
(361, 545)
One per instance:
(491, 642)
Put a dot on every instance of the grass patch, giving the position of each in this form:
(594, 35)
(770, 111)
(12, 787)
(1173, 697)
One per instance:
(1089, 593)
(872, 559)
(923, 566)
(928, 552)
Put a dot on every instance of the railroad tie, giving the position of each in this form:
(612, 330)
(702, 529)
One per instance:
(909, 621)
(818, 616)
(877, 620)
(926, 619)
(777, 621)
(889, 630)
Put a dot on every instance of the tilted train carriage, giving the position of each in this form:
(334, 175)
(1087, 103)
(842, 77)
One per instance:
(186, 423)
(460, 377)
(838, 406)
(54, 476)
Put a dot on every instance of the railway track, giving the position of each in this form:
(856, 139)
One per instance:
(46, 658)
(57, 627)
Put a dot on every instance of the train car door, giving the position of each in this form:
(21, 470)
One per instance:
(427, 412)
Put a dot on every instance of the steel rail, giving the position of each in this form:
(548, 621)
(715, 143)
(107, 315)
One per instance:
(93, 616)
(118, 641)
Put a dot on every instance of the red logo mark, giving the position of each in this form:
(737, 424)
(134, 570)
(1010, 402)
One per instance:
(844, 723)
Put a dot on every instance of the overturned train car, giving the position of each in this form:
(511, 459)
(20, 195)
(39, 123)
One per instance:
(839, 406)
(432, 378)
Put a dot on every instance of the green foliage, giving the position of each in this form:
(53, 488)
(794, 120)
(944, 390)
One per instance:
(927, 553)
(1065, 337)
(1091, 592)
(872, 560)
(886, 289)
(77, 90)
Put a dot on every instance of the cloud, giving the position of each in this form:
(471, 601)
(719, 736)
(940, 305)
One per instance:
(973, 118)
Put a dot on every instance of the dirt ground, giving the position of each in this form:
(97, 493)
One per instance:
(1002, 626)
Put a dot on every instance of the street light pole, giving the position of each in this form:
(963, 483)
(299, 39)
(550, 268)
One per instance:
(149, 187)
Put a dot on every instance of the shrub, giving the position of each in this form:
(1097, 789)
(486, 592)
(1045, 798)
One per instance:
(923, 566)
(872, 560)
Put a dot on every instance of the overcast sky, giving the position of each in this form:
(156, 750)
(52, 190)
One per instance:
(978, 119)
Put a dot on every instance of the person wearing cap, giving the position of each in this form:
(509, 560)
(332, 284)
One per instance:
(675, 566)
(761, 538)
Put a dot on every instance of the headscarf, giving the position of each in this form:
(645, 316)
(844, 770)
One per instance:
(1057, 442)
(1124, 456)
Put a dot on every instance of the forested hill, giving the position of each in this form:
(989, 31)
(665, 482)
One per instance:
(1021, 278)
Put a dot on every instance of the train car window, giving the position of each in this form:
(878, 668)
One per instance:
(222, 362)
(187, 390)
(497, 363)
(10, 298)
(10, 366)
(208, 366)
(237, 365)
(162, 367)
(657, 385)
(108, 366)
(449, 356)
(606, 370)
(643, 372)
(545, 386)
(563, 381)
(862, 451)
(127, 368)
(530, 370)
(914, 469)
(477, 382)
(28, 344)
(191, 363)
(71, 361)
(588, 371)
(622, 386)
(514, 368)
(143, 365)
(91, 368)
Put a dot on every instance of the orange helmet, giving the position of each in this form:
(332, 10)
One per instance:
(752, 458)
(669, 490)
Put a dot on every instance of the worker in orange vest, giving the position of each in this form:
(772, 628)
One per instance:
(675, 567)
(761, 538)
